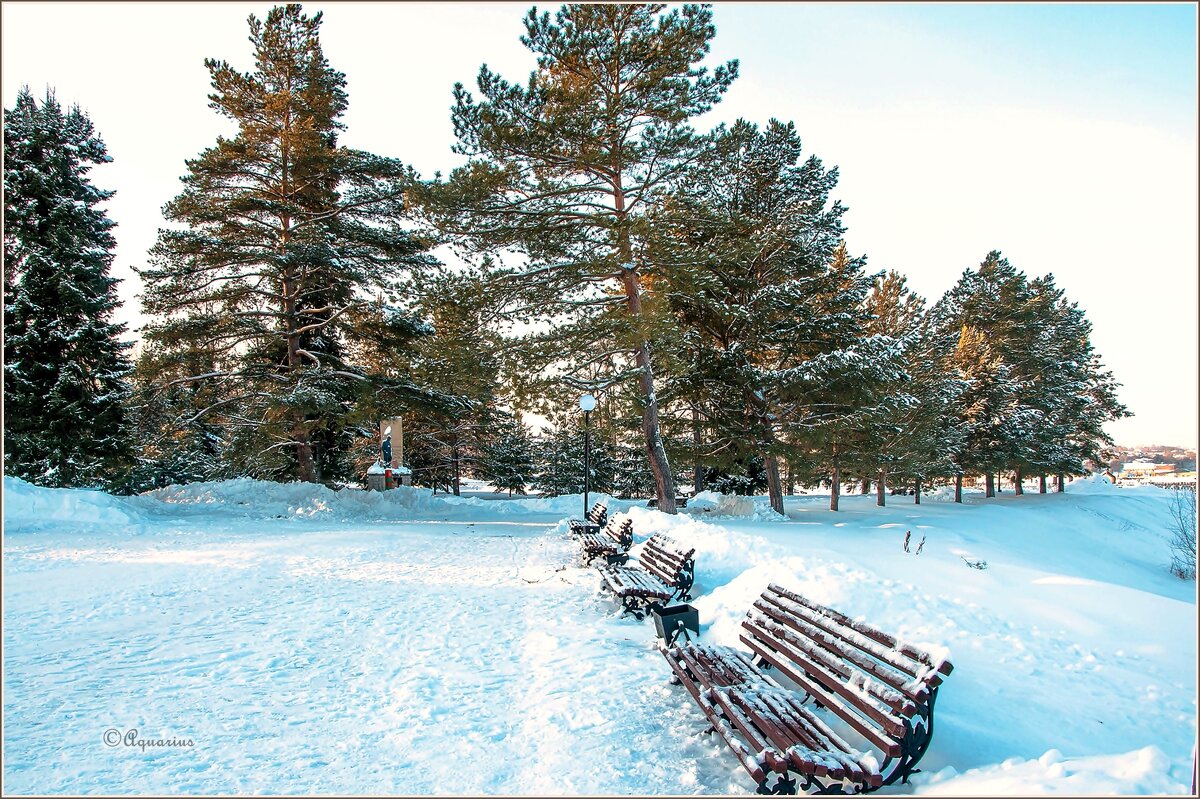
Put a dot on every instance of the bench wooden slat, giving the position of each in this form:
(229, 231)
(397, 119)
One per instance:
(629, 581)
(839, 660)
(780, 734)
(849, 715)
(765, 712)
(699, 661)
(942, 667)
(882, 671)
(665, 561)
(730, 668)
(916, 676)
(749, 762)
(759, 731)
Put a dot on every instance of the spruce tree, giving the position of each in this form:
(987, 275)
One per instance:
(65, 366)
(284, 235)
(563, 170)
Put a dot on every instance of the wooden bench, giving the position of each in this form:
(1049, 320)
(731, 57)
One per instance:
(680, 502)
(663, 571)
(591, 522)
(611, 542)
(880, 688)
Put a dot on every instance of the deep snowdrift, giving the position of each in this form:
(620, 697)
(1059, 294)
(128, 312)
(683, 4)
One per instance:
(308, 640)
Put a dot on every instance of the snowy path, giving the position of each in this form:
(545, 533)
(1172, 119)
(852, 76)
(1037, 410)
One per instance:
(399, 658)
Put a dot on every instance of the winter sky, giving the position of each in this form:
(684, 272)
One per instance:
(1063, 135)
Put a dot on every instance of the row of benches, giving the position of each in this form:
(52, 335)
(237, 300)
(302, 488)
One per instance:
(803, 657)
(663, 571)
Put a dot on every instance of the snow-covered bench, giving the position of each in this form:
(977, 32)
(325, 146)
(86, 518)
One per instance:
(880, 688)
(663, 571)
(680, 502)
(591, 522)
(608, 543)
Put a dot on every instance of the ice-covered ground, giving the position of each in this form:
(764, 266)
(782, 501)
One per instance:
(303, 640)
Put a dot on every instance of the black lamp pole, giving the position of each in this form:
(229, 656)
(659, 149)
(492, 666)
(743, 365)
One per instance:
(586, 404)
(587, 455)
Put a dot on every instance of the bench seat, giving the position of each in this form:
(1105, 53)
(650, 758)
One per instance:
(785, 734)
(663, 571)
(591, 522)
(608, 543)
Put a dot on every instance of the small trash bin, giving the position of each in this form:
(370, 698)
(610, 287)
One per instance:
(670, 621)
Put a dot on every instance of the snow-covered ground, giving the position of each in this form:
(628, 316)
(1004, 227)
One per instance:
(292, 639)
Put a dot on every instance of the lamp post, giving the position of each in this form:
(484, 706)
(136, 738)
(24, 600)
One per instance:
(587, 403)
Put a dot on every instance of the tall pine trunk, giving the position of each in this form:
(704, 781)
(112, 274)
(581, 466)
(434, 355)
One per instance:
(866, 487)
(990, 485)
(880, 488)
(1041, 484)
(774, 484)
(917, 492)
(1062, 479)
(304, 455)
(1018, 478)
(958, 480)
(836, 482)
(770, 460)
(656, 453)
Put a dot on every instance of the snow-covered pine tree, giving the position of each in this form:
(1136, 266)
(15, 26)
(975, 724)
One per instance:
(460, 359)
(746, 244)
(1074, 393)
(65, 365)
(990, 310)
(508, 456)
(563, 170)
(559, 459)
(1058, 393)
(917, 436)
(987, 408)
(284, 236)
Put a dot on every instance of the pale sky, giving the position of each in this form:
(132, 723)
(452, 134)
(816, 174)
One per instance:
(1064, 135)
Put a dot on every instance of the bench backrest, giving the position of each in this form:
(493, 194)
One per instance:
(869, 679)
(621, 534)
(598, 514)
(668, 561)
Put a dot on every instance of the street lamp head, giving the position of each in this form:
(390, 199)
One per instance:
(587, 403)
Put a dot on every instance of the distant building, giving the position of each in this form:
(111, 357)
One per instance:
(1139, 471)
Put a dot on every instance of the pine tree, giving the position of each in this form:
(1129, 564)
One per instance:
(460, 359)
(559, 460)
(748, 245)
(284, 235)
(563, 170)
(65, 366)
(1039, 395)
(508, 457)
(917, 435)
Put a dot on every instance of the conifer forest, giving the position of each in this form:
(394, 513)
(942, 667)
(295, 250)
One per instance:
(700, 283)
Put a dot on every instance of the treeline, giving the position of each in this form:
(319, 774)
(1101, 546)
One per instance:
(699, 283)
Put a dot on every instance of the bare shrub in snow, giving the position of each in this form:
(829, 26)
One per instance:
(1183, 527)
